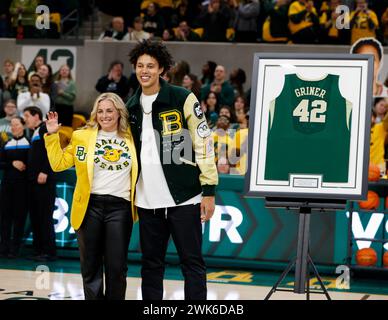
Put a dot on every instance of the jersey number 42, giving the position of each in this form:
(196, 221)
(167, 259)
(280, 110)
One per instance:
(318, 107)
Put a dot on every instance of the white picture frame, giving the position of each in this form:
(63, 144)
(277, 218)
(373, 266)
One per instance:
(320, 102)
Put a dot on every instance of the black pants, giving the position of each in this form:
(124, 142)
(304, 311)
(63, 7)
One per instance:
(183, 223)
(103, 240)
(14, 212)
(41, 207)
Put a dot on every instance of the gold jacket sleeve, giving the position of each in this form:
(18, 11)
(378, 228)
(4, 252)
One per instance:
(202, 144)
(59, 159)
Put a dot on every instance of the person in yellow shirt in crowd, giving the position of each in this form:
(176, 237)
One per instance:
(238, 151)
(380, 107)
(166, 9)
(231, 144)
(363, 22)
(303, 22)
(238, 154)
(378, 135)
(221, 138)
(223, 165)
(328, 21)
(275, 27)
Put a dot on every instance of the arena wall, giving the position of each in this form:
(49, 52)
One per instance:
(92, 58)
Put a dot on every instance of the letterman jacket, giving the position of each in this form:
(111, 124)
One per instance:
(186, 148)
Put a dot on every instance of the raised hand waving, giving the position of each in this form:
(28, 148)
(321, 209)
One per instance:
(52, 122)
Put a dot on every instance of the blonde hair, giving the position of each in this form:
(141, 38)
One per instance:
(123, 125)
(58, 75)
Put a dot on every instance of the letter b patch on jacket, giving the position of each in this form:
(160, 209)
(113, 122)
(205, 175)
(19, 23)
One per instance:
(172, 122)
(80, 153)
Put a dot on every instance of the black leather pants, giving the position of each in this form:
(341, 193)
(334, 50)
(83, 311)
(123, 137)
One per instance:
(103, 240)
(183, 224)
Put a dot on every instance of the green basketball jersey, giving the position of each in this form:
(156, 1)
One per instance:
(309, 130)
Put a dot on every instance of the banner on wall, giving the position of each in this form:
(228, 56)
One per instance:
(56, 56)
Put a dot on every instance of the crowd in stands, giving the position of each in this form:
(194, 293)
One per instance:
(221, 92)
(38, 87)
(273, 21)
(18, 17)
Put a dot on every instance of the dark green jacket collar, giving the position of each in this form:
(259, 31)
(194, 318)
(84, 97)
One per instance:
(162, 98)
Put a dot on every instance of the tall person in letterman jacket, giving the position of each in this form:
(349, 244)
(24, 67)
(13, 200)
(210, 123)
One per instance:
(175, 191)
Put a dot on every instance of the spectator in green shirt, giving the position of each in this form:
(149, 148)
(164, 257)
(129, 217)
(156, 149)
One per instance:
(220, 86)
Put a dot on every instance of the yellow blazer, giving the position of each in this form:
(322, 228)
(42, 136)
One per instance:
(61, 160)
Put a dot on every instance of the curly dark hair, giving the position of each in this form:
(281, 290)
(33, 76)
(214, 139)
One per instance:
(156, 50)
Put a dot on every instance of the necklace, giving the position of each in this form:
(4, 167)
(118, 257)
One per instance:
(147, 113)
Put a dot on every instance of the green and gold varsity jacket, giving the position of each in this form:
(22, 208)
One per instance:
(186, 148)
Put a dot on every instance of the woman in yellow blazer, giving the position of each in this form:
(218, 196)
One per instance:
(103, 211)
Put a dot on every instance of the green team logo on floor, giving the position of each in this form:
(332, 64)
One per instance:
(80, 153)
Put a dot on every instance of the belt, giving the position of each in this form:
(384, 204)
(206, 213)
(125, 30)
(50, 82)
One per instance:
(107, 198)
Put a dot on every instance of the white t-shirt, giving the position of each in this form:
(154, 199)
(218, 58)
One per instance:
(152, 191)
(25, 100)
(112, 166)
(139, 35)
(125, 38)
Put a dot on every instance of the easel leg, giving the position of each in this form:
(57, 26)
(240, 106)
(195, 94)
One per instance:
(308, 283)
(302, 261)
(283, 275)
(302, 250)
(319, 278)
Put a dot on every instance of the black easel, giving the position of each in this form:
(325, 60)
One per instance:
(303, 260)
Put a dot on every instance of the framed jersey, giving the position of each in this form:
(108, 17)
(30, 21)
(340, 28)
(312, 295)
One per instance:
(309, 126)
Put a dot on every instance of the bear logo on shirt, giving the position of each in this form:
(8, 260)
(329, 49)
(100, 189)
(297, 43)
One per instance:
(111, 155)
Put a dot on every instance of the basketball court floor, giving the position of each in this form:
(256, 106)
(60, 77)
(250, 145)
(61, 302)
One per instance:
(61, 280)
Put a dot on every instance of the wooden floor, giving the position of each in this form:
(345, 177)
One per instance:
(20, 284)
